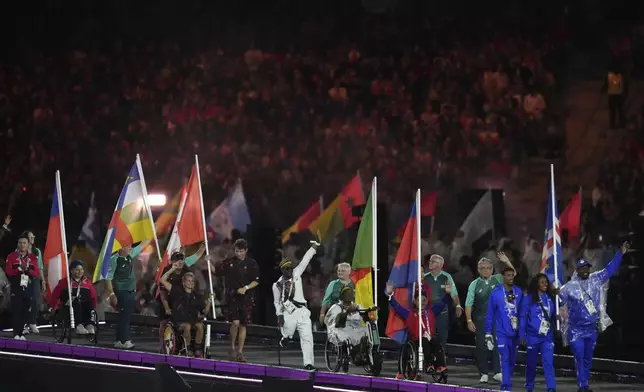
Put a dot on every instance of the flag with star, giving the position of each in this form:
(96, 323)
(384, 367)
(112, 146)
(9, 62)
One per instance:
(552, 252)
(339, 214)
(131, 222)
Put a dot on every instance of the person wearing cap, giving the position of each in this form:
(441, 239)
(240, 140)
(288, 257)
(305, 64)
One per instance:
(503, 314)
(345, 326)
(84, 300)
(431, 345)
(582, 297)
(332, 293)
(436, 279)
(178, 259)
(476, 305)
(290, 305)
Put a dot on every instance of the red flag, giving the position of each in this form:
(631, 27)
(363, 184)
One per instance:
(427, 208)
(352, 195)
(570, 218)
(188, 229)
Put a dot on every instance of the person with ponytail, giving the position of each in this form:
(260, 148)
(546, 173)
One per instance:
(537, 323)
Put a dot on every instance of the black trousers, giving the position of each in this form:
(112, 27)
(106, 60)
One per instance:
(20, 310)
(434, 347)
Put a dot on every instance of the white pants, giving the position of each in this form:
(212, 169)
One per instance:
(300, 320)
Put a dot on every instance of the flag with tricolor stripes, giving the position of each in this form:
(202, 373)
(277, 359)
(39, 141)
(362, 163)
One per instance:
(363, 255)
(131, 222)
(55, 255)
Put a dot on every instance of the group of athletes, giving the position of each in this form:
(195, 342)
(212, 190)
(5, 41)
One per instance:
(501, 314)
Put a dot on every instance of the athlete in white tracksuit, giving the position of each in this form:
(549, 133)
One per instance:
(290, 305)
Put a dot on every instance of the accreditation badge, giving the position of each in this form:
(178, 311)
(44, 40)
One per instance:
(590, 306)
(544, 327)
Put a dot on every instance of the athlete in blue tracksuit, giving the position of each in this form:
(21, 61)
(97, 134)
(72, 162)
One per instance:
(581, 295)
(503, 311)
(537, 322)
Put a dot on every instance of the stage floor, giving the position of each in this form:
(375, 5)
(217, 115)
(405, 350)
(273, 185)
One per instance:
(265, 353)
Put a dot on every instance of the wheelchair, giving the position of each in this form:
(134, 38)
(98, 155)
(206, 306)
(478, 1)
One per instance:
(408, 364)
(61, 326)
(173, 342)
(370, 358)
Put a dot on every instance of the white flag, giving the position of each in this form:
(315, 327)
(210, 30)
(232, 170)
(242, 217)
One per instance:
(480, 220)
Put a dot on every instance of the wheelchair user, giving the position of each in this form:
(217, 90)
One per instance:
(188, 309)
(345, 325)
(176, 259)
(431, 344)
(84, 298)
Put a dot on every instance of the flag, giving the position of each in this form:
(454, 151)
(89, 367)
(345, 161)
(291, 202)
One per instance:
(570, 218)
(552, 244)
(55, 255)
(91, 230)
(480, 220)
(188, 229)
(361, 274)
(427, 209)
(304, 221)
(339, 214)
(231, 214)
(131, 221)
(89, 234)
(404, 275)
(164, 224)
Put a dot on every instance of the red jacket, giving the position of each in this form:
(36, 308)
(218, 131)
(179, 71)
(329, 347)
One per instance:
(84, 289)
(14, 264)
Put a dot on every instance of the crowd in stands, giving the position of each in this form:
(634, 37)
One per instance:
(293, 115)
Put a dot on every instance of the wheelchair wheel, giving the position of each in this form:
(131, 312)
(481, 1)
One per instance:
(332, 356)
(408, 361)
(59, 327)
(169, 343)
(375, 367)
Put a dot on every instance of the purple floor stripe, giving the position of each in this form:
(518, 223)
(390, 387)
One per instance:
(229, 367)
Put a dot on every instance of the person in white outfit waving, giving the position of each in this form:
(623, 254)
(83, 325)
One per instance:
(290, 305)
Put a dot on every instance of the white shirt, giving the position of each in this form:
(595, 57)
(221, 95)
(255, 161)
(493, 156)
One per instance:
(296, 281)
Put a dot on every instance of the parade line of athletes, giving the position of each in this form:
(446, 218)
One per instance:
(501, 314)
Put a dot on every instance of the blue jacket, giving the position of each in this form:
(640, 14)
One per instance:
(531, 315)
(577, 292)
(500, 311)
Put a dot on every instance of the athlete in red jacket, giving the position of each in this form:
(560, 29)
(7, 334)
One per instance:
(22, 268)
(83, 298)
(411, 318)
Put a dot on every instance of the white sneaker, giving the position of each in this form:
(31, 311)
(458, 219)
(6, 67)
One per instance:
(25, 330)
(90, 329)
(498, 377)
(483, 379)
(128, 345)
(81, 330)
(118, 345)
(33, 328)
(18, 337)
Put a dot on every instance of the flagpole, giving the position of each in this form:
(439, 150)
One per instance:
(419, 283)
(555, 234)
(205, 240)
(147, 203)
(63, 235)
(374, 237)
(321, 204)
